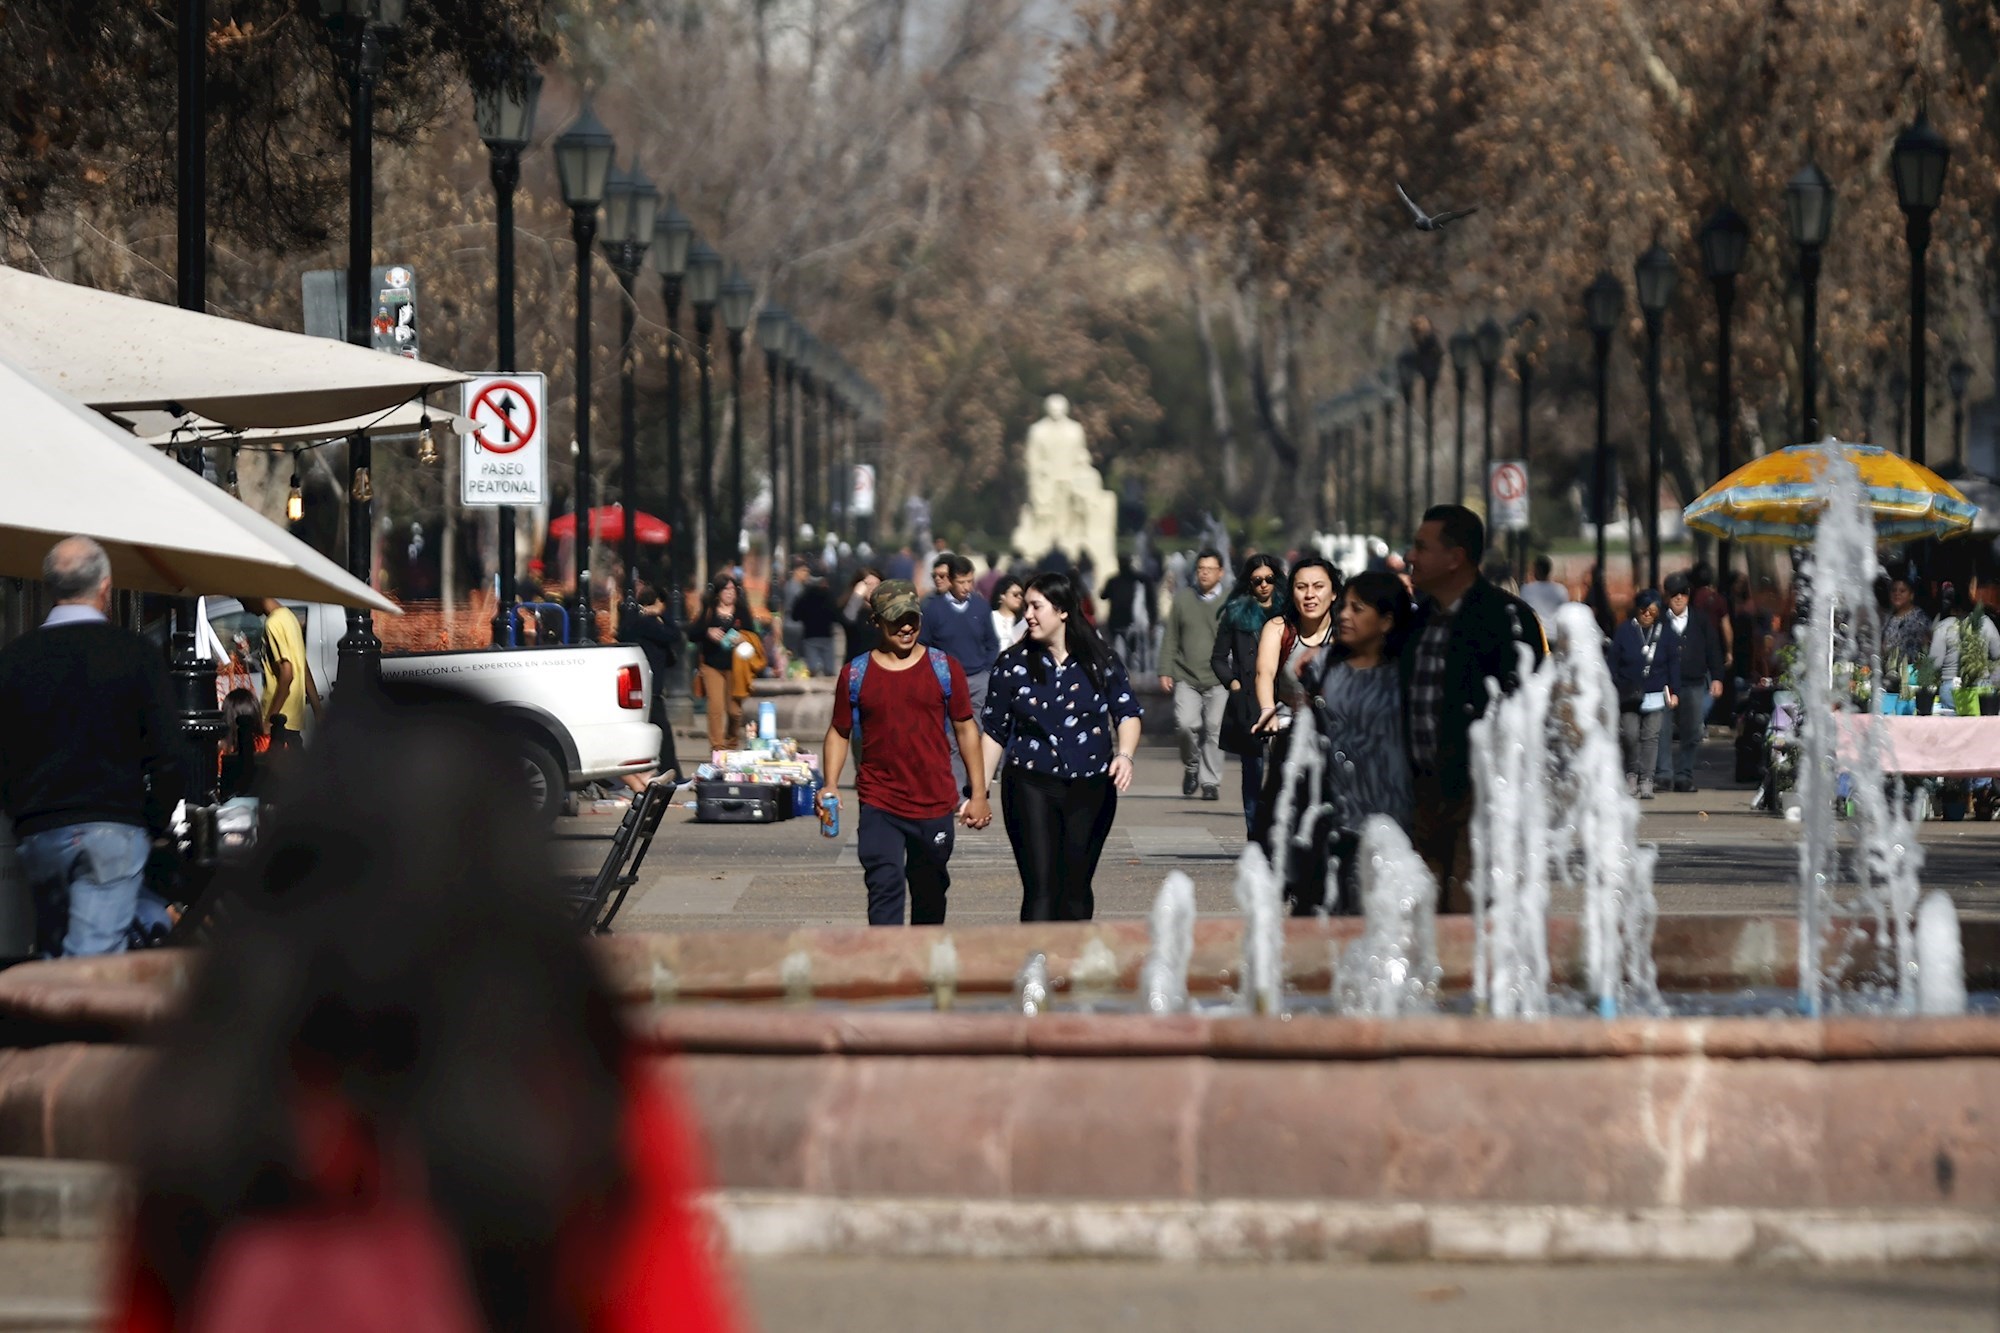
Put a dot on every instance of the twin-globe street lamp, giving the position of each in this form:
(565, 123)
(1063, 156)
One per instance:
(583, 163)
(1602, 302)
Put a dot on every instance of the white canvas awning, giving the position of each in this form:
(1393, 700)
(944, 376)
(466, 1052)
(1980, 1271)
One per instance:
(68, 471)
(119, 354)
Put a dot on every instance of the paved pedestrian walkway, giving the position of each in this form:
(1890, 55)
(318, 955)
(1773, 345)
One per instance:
(1716, 855)
(57, 1286)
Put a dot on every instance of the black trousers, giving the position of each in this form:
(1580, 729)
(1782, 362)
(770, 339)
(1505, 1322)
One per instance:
(904, 858)
(1058, 827)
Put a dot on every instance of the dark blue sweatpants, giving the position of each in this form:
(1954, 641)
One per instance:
(900, 856)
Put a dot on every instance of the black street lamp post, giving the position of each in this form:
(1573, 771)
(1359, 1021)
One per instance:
(505, 115)
(1492, 341)
(629, 204)
(704, 284)
(772, 330)
(1959, 377)
(1464, 352)
(1526, 326)
(1602, 301)
(360, 28)
(1918, 163)
(737, 298)
(1656, 277)
(795, 350)
(583, 162)
(1724, 239)
(672, 235)
(1430, 360)
(1382, 506)
(1406, 380)
(1809, 210)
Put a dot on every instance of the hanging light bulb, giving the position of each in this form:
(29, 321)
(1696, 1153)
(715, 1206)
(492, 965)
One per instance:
(234, 493)
(295, 503)
(427, 450)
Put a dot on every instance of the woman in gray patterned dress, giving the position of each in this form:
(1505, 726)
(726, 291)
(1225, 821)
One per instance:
(1368, 765)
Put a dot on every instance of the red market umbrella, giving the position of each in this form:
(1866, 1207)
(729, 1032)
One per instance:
(607, 524)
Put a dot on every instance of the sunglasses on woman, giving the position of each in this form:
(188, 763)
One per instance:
(1263, 583)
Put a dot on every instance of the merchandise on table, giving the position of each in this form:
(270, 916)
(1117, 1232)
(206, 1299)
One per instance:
(769, 780)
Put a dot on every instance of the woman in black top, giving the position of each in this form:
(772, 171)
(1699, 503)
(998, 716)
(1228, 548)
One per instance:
(715, 635)
(1259, 596)
(1061, 715)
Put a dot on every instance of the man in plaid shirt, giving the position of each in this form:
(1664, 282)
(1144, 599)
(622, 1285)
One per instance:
(1466, 636)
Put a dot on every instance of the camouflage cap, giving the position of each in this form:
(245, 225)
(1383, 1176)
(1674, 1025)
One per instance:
(894, 600)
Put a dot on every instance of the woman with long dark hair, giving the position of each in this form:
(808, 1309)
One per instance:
(398, 1094)
(1062, 720)
(1292, 654)
(1361, 706)
(715, 635)
(1259, 597)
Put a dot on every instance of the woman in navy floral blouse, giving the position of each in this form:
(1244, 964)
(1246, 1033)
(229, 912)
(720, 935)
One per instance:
(1061, 715)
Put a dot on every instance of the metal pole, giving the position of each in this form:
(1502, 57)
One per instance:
(583, 619)
(1409, 468)
(628, 438)
(809, 448)
(1654, 426)
(1487, 372)
(780, 535)
(794, 501)
(360, 652)
(1809, 361)
(506, 172)
(704, 331)
(192, 672)
(736, 442)
(677, 516)
(1430, 444)
(1725, 403)
(1458, 451)
(1601, 483)
(1527, 373)
(1918, 229)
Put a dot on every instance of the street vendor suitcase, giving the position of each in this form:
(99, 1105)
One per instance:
(741, 803)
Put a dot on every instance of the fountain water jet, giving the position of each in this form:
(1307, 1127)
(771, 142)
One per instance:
(1392, 968)
(1940, 957)
(1163, 979)
(1260, 894)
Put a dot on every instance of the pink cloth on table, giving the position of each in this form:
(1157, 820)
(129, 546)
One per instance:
(1943, 747)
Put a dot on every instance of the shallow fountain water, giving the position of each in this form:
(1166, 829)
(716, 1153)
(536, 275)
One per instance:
(1031, 986)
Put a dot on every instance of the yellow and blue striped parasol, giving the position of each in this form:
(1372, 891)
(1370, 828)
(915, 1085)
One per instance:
(1778, 498)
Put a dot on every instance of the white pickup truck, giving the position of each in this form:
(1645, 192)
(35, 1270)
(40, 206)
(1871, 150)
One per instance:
(579, 711)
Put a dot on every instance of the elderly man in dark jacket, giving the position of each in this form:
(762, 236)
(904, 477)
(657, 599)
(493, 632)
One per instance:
(1467, 632)
(1704, 665)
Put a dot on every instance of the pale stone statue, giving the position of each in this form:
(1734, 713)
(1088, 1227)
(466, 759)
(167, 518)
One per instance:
(1068, 505)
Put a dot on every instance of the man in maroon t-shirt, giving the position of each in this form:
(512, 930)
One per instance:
(903, 775)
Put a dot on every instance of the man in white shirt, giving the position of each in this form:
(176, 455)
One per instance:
(1542, 593)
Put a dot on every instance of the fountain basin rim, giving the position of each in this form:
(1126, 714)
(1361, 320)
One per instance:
(722, 1030)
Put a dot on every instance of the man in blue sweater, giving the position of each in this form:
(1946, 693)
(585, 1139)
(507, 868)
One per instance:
(962, 627)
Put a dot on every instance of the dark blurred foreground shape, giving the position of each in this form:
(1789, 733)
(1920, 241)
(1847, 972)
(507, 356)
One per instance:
(399, 1096)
